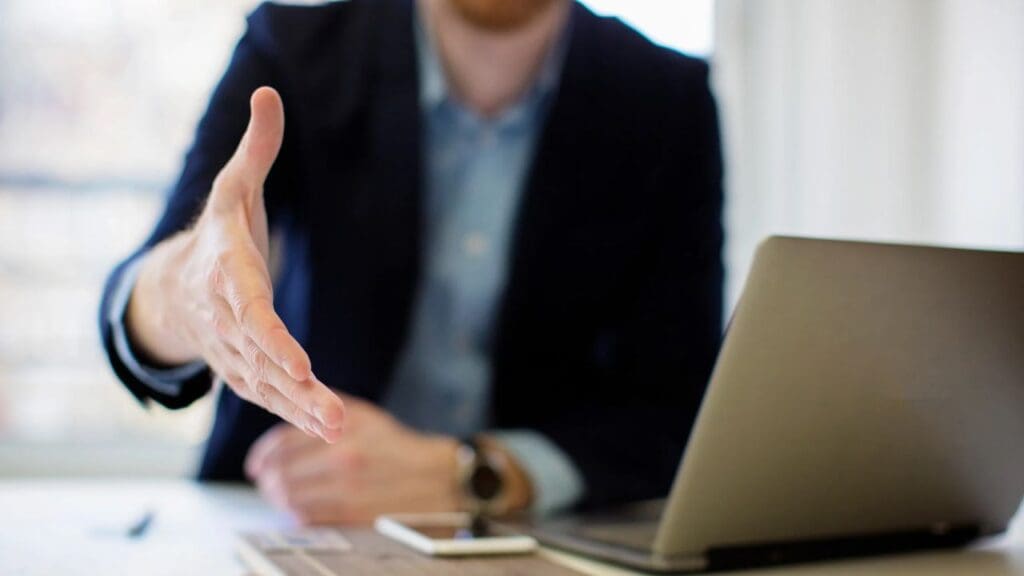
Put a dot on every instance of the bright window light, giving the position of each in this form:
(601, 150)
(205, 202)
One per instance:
(685, 25)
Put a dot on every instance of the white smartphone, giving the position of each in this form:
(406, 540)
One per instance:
(454, 534)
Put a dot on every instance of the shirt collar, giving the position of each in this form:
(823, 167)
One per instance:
(434, 89)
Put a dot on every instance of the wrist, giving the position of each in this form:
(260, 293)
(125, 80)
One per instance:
(152, 326)
(492, 482)
(518, 486)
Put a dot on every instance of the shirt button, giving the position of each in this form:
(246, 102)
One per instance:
(475, 244)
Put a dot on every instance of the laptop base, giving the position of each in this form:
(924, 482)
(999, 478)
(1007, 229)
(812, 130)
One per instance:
(556, 535)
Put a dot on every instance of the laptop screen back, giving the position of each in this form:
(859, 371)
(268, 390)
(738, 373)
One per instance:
(861, 389)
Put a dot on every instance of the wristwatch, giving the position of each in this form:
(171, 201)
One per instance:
(482, 479)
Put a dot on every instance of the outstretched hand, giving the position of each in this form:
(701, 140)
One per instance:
(207, 292)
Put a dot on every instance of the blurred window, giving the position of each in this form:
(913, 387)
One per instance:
(685, 25)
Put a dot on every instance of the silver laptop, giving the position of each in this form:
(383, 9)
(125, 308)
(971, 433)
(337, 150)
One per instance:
(867, 398)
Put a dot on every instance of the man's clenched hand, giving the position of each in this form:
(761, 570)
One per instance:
(380, 466)
(207, 293)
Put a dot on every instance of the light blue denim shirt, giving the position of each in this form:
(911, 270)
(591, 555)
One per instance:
(475, 170)
(475, 173)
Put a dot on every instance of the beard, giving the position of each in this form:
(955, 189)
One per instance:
(500, 15)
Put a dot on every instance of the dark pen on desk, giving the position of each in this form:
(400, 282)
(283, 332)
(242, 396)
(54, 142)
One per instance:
(139, 528)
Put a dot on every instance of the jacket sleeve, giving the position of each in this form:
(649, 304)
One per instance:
(628, 442)
(216, 138)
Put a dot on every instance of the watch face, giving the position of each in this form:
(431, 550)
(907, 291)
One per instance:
(485, 482)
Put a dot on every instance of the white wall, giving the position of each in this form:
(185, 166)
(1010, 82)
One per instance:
(872, 119)
(980, 105)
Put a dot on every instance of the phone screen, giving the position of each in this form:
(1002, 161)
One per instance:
(463, 531)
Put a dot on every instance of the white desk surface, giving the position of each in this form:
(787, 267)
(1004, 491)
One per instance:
(77, 527)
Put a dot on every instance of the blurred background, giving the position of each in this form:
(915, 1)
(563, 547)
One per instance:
(874, 119)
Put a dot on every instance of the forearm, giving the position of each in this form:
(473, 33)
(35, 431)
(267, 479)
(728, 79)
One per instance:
(150, 324)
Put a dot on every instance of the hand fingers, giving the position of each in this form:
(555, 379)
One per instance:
(275, 358)
(273, 401)
(300, 465)
(278, 437)
(311, 492)
(242, 282)
(283, 486)
(220, 367)
(359, 412)
(323, 514)
(321, 504)
(239, 376)
(228, 366)
(247, 169)
(224, 360)
(281, 451)
(312, 503)
(311, 395)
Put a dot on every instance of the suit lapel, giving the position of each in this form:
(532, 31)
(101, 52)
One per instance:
(367, 226)
(556, 180)
(396, 182)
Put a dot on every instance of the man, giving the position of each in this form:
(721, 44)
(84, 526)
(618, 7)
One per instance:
(496, 278)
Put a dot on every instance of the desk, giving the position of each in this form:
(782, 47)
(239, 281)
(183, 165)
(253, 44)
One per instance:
(77, 527)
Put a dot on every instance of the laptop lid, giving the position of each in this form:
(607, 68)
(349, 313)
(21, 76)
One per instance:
(861, 389)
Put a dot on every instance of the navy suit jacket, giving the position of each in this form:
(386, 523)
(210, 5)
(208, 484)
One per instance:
(611, 317)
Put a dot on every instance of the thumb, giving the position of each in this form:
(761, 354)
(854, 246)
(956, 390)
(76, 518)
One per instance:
(248, 167)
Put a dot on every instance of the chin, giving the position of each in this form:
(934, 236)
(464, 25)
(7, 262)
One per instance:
(500, 15)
